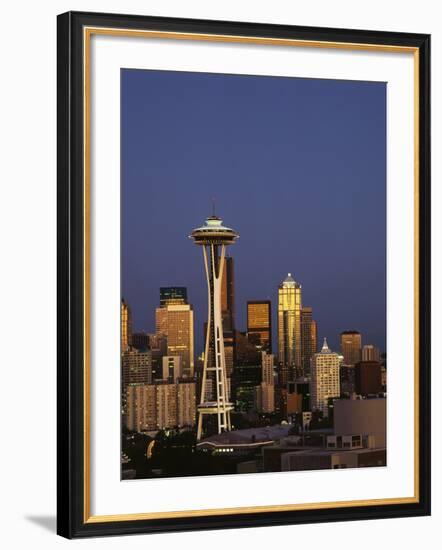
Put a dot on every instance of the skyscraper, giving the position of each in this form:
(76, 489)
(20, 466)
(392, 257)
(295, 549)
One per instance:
(324, 378)
(368, 377)
(172, 369)
(265, 393)
(370, 353)
(228, 295)
(136, 367)
(267, 364)
(289, 328)
(351, 346)
(175, 322)
(126, 326)
(170, 295)
(213, 237)
(259, 324)
(228, 313)
(314, 336)
(140, 340)
(308, 339)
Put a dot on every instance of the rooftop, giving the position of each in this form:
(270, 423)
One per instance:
(250, 436)
(289, 282)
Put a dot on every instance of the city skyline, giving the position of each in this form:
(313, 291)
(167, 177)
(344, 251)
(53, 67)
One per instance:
(293, 172)
(368, 348)
(334, 338)
(180, 406)
(255, 197)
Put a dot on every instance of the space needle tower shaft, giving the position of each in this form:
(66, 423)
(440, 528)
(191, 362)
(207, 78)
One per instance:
(213, 237)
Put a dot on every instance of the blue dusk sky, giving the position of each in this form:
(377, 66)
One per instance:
(296, 166)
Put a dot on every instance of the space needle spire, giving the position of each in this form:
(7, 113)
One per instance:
(213, 237)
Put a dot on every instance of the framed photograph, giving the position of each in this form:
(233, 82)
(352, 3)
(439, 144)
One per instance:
(243, 274)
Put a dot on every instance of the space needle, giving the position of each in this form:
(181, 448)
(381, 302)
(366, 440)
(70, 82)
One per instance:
(213, 236)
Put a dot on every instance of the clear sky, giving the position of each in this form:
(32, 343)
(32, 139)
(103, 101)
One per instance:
(296, 166)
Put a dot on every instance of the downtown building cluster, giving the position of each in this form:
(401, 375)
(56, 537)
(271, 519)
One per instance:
(162, 378)
(157, 370)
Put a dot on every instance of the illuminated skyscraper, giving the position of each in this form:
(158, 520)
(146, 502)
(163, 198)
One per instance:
(126, 326)
(289, 329)
(351, 346)
(324, 378)
(308, 339)
(214, 237)
(175, 322)
(259, 324)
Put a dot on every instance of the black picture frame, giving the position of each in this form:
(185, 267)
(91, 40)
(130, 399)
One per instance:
(72, 521)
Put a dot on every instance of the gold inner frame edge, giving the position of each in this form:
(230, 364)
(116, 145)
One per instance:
(87, 34)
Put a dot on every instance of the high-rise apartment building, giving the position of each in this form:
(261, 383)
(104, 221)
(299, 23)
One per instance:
(175, 322)
(259, 324)
(324, 378)
(289, 329)
(186, 403)
(308, 339)
(126, 326)
(141, 408)
(351, 346)
(161, 405)
(136, 367)
(166, 404)
(136, 370)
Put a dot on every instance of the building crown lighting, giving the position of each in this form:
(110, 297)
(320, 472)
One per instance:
(289, 282)
(325, 348)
